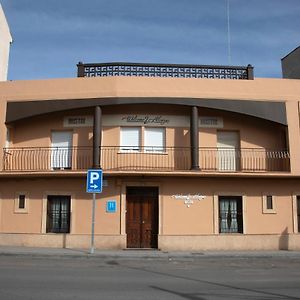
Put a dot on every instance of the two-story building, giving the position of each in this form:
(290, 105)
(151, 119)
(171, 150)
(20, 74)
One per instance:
(194, 157)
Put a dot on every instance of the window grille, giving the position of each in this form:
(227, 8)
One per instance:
(58, 214)
(230, 214)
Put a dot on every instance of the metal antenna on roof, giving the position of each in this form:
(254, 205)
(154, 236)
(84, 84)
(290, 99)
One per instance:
(228, 33)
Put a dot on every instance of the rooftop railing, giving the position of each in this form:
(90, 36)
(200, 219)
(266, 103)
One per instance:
(164, 70)
(146, 159)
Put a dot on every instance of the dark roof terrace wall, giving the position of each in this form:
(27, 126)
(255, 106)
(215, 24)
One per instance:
(164, 70)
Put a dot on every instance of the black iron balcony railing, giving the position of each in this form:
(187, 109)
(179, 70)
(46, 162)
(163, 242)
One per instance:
(164, 70)
(146, 159)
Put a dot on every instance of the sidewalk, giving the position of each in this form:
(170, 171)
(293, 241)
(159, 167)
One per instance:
(139, 254)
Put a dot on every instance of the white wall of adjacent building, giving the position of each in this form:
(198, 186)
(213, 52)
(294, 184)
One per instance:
(5, 41)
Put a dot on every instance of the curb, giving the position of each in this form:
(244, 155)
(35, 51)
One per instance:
(142, 254)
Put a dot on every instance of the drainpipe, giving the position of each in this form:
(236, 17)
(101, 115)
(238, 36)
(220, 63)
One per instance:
(194, 139)
(97, 136)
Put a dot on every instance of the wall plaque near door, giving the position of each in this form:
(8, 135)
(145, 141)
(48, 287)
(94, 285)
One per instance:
(189, 198)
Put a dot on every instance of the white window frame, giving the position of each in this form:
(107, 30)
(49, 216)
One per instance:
(241, 200)
(61, 156)
(267, 210)
(156, 148)
(128, 147)
(142, 143)
(216, 196)
(17, 209)
(228, 160)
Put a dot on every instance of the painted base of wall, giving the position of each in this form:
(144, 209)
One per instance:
(165, 242)
(62, 240)
(229, 242)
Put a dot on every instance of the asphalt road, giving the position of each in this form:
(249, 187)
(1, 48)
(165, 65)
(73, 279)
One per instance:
(25, 277)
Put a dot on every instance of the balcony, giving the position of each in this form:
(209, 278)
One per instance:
(167, 159)
(164, 70)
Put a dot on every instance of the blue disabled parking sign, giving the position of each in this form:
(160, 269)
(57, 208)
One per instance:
(94, 181)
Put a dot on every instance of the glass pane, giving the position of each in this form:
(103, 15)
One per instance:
(58, 214)
(228, 144)
(130, 138)
(269, 202)
(61, 154)
(230, 215)
(21, 201)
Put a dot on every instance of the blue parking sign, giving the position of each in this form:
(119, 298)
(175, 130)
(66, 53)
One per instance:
(94, 180)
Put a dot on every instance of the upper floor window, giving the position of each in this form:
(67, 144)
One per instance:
(130, 138)
(228, 155)
(61, 149)
(149, 139)
(154, 139)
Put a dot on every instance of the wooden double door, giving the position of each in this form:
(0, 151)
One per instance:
(142, 217)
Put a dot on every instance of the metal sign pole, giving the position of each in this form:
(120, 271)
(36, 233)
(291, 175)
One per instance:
(93, 225)
(94, 182)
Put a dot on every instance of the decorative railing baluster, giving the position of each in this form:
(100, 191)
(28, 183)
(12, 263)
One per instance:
(146, 159)
(164, 70)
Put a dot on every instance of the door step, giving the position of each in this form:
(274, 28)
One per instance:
(141, 249)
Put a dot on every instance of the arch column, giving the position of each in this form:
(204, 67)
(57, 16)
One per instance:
(194, 136)
(97, 137)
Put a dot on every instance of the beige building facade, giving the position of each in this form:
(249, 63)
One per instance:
(189, 163)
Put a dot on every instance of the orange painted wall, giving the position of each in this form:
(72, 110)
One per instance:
(37, 189)
(259, 89)
(254, 132)
(175, 217)
(178, 219)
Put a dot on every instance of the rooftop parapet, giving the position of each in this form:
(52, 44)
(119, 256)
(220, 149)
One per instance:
(164, 70)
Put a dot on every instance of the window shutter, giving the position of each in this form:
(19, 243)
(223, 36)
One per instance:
(154, 139)
(130, 138)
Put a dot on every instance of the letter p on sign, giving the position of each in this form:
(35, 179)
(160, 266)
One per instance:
(94, 177)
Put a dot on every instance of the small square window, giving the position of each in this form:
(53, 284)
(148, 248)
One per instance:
(269, 204)
(21, 203)
(269, 200)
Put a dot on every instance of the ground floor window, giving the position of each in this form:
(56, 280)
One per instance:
(269, 204)
(58, 214)
(230, 214)
(298, 212)
(21, 202)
